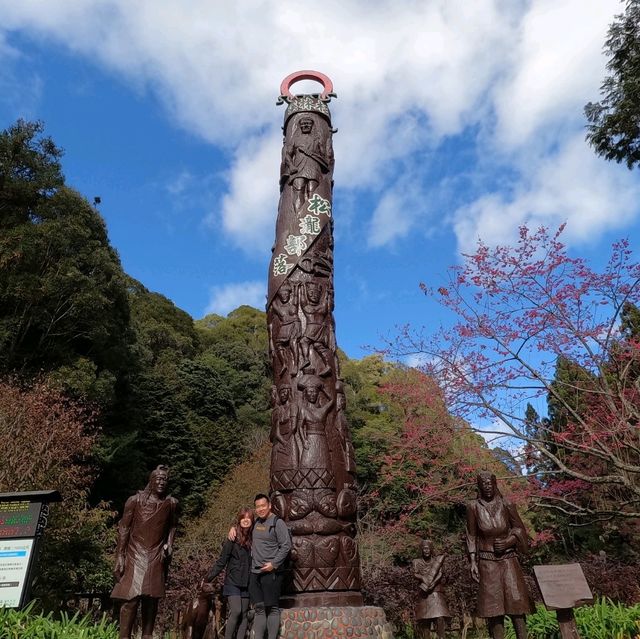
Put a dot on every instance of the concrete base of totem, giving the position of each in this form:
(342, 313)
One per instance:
(328, 622)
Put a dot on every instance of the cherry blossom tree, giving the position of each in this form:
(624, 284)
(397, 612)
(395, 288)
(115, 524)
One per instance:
(434, 455)
(523, 314)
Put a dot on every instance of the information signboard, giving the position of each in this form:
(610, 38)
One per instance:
(15, 557)
(23, 518)
(19, 518)
(563, 586)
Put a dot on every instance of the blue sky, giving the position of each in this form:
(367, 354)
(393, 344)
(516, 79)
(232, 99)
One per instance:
(456, 119)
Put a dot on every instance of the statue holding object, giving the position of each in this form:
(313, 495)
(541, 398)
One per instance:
(431, 608)
(145, 545)
(495, 533)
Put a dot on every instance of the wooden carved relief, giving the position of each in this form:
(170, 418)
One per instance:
(312, 462)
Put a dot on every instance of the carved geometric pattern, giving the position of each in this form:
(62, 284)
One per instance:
(313, 579)
(291, 478)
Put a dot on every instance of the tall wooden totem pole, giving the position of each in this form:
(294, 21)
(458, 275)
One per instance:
(312, 463)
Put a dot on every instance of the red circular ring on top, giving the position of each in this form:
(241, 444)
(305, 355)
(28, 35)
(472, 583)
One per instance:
(327, 85)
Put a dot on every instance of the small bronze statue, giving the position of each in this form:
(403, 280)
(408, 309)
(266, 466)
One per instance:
(145, 544)
(196, 617)
(431, 607)
(494, 533)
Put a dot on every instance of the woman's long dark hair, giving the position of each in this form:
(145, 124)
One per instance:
(243, 535)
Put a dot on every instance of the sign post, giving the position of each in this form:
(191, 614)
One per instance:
(23, 518)
(564, 588)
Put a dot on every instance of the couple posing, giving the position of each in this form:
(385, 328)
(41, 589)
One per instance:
(253, 556)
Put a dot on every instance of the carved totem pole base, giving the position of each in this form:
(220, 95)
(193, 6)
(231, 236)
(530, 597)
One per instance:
(328, 622)
(322, 599)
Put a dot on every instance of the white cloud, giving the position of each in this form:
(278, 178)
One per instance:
(228, 297)
(180, 183)
(417, 360)
(249, 208)
(20, 92)
(511, 75)
(570, 185)
(498, 435)
(218, 66)
(555, 69)
(395, 213)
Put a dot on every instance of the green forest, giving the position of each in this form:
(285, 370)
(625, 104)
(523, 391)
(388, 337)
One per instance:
(103, 379)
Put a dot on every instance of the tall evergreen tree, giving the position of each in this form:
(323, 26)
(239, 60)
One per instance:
(63, 299)
(614, 122)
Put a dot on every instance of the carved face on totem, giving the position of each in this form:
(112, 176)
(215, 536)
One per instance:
(284, 393)
(311, 393)
(306, 124)
(284, 293)
(313, 291)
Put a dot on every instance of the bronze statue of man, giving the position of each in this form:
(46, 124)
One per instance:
(145, 544)
(495, 533)
(431, 607)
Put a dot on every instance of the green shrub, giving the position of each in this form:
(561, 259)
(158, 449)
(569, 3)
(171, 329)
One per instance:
(603, 620)
(24, 624)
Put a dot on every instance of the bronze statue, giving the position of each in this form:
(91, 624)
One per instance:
(312, 464)
(145, 545)
(431, 607)
(495, 533)
(196, 616)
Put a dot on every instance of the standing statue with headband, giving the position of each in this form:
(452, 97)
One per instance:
(145, 545)
(495, 535)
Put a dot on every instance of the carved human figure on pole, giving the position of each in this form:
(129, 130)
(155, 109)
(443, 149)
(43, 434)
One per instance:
(495, 533)
(431, 607)
(145, 545)
(284, 332)
(311, 424)
(309, 431)
(305, 159)
(285, 452)
(316, 306)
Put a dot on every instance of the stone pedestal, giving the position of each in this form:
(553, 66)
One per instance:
(331, 622)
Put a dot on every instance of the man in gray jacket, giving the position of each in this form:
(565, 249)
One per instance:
(270, 546)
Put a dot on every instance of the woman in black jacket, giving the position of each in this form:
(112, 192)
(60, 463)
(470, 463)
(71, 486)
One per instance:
(236, 558)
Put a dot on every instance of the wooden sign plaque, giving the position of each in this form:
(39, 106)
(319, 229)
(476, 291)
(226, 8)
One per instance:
(564, 588)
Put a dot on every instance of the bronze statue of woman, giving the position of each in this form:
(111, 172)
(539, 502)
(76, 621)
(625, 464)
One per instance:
(495, 533)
